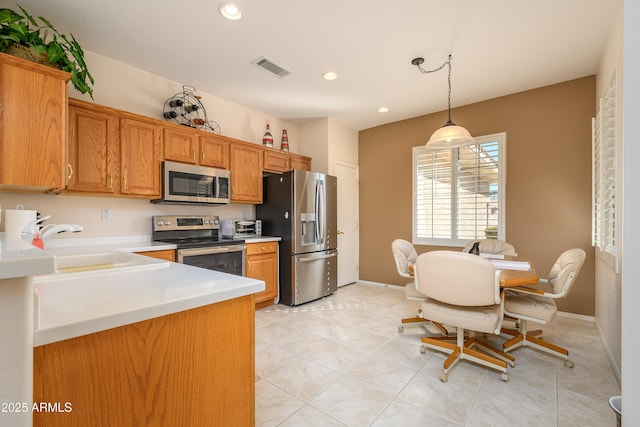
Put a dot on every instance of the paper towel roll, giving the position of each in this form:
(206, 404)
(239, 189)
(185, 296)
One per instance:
(15, 220)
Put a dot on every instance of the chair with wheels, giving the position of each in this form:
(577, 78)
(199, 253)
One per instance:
(539, 306)
(492, 246)
(404, 255)
(463, 291)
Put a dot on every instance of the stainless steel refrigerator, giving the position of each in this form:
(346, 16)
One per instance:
(301, 207)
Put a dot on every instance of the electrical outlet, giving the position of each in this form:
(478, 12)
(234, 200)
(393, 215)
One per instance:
(105, 214)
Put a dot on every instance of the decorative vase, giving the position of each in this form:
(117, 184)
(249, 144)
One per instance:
(284, 144)
(267, 139)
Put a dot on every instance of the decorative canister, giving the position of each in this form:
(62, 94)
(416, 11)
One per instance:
(284, 144)
(267, 139)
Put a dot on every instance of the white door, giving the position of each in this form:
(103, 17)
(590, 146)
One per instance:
(347, 175)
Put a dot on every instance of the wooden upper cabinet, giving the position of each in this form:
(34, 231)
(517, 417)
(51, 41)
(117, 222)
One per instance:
(33, 123)
(246, 172)
(180, 145)
(214, 152)
(300, 162)
(140, 157)
(188, 146)
(92, 147)
(275, 161)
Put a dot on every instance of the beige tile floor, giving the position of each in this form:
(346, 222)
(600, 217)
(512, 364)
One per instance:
(340, 361)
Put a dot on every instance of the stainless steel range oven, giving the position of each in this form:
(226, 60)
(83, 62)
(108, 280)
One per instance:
(199, 243)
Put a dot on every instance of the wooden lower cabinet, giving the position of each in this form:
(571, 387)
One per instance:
(262, 264)
(192, 368)
(165, 254)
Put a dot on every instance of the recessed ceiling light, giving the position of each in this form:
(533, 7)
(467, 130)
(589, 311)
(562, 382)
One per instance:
(330, 75)
(383, 110)
(230, 11)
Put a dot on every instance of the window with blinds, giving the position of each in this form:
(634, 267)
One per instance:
(458, 194)
(605, 174)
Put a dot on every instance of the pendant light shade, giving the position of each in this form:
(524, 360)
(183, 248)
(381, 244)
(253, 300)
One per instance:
(450, 135)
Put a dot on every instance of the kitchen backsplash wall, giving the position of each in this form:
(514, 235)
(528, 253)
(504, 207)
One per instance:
(127, 217)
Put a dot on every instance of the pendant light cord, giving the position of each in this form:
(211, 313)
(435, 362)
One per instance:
(418, 62)
(449, 95)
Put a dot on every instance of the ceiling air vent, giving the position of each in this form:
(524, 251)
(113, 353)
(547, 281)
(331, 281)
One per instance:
(271, 67)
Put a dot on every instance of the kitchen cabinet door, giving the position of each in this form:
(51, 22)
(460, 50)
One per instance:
(33, 124)
(281, 162)
(191, 368)
(214, 152)
(140, 156)
(276, 162)
(246, 173)
(180, 145)
(300, 162)
(92, 149)
(262, 264)
(165, 254)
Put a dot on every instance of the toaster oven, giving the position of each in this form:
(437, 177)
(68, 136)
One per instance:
(238, 228)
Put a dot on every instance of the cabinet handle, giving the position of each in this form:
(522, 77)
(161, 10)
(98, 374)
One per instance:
(193, 155)
(202, 161)
(70, 171)
(110, 182)
(263, 248)
(248, 265)
(124, 183)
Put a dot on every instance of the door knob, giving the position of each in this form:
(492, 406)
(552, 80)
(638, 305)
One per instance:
(340, 232)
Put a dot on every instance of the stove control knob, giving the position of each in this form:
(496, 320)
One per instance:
(166, 222)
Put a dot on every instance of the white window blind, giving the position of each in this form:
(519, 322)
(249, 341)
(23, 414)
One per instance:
(459, 193)
(605, 173)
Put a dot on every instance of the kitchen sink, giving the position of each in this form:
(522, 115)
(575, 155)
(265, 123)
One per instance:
(100, 263)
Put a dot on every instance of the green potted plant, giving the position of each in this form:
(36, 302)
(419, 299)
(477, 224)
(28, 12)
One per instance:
(23, 36)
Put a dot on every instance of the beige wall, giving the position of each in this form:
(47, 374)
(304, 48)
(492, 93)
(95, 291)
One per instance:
(548, 198)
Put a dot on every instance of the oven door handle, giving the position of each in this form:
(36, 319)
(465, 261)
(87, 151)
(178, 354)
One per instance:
(211, 250)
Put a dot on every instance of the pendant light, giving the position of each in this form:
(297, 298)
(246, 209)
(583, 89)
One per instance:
(449, 135)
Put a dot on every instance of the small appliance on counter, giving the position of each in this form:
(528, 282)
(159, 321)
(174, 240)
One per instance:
(241, 228)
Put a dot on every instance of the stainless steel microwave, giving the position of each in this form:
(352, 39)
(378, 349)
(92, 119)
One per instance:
(183, 183)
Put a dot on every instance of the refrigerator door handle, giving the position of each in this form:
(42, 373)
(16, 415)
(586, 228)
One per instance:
(320, 218)
(316, 258)
(316, 208)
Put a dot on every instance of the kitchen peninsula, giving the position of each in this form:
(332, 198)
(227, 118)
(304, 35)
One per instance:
(136, 341)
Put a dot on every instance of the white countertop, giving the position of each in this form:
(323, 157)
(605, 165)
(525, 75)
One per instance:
(96, 301)
(21, 259)
(74, 304)
(262, 239)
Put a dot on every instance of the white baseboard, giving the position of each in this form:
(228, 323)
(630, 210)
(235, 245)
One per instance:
(577, 316)
(384, 285)
(615, 368)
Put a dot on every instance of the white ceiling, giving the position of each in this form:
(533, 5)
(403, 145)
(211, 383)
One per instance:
(498, 46)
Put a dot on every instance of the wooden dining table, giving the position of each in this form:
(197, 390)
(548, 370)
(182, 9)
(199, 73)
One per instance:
(511, 277)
